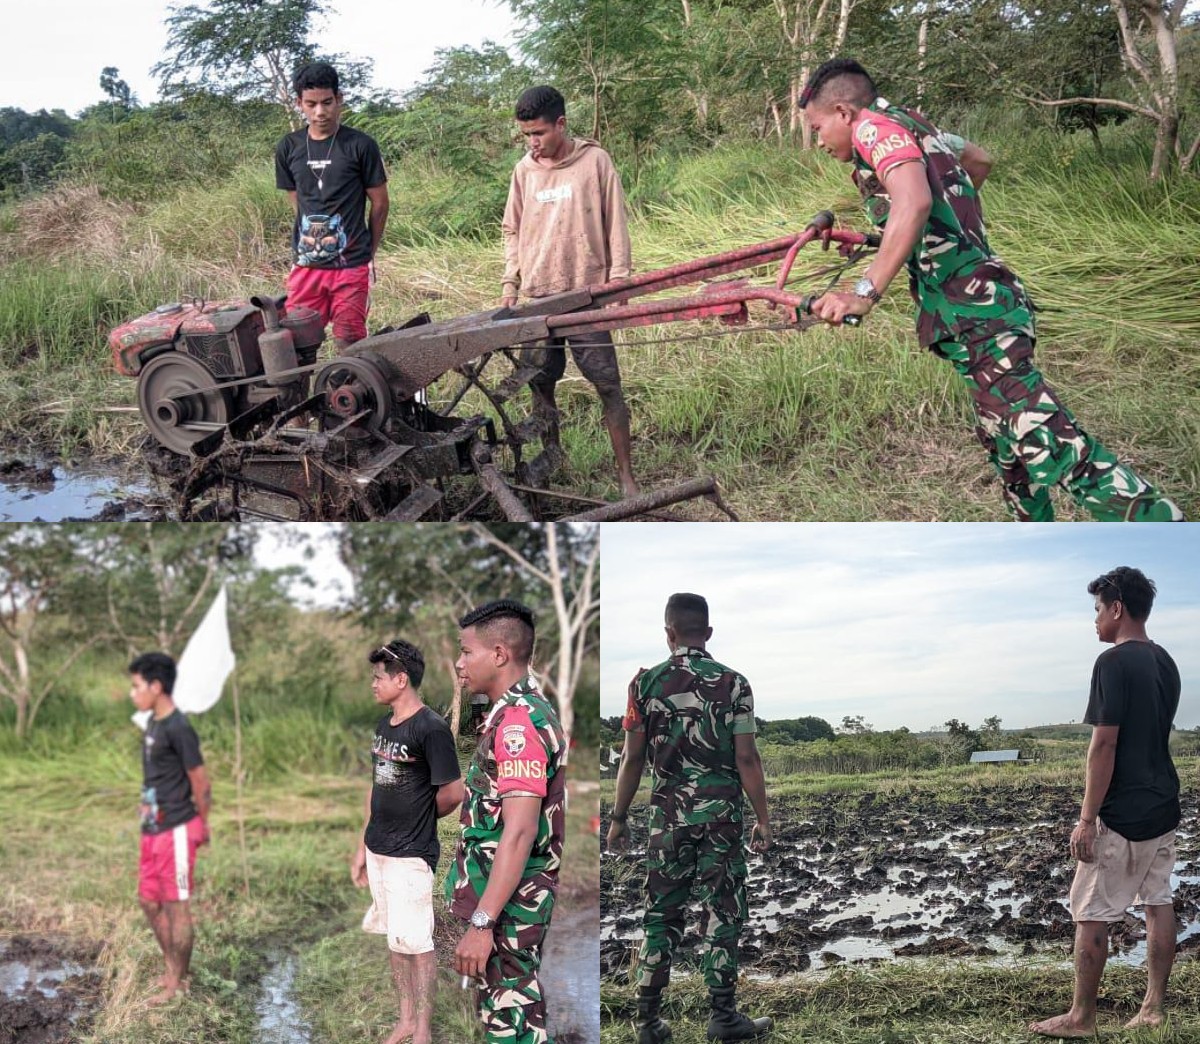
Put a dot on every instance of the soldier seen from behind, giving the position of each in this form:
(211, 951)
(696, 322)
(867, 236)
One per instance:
(921, 186)
(695, 719)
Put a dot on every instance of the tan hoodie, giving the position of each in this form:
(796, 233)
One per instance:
(565, 226)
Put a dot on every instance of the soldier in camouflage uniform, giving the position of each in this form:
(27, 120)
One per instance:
(505, 874)
(696, 719)
(921, 185)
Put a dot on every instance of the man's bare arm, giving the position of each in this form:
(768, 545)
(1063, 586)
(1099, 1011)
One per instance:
(380, 202)
(975, 161)
(629, 774)
(201, 790)
(449, 797)
(907, 217)
(750, 771)
(519, 818)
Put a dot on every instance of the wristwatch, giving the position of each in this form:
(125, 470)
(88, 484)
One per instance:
(482, 920)
(865, 288)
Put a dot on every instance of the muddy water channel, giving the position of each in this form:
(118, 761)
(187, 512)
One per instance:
(569, 960)
(856, 879)
(48, 989)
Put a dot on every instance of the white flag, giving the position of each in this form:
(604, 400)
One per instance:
(206, 662)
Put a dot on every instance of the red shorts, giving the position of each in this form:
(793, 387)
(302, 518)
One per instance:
(168, 860)
(339, 295)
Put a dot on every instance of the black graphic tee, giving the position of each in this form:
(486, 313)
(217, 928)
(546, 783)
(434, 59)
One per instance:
(330, 179)
(170, 748)
(411, 760)
(1135, 685)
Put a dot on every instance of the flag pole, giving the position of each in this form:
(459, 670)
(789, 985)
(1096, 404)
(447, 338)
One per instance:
(238, 777)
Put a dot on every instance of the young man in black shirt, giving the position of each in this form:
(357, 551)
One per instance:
(1125, 837)
(330, 172)
(176, 799)
(416, 781)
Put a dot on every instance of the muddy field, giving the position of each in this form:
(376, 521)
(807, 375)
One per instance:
(864, 879)
(49, 989)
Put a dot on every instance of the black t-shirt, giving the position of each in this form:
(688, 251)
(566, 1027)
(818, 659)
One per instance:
(1135, 685)
(170, 748)
(330, 179)
(411, 760)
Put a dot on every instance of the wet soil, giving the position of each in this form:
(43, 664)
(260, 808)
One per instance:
(49, 989)
(39, 491)
(570, 957)
(865, 879)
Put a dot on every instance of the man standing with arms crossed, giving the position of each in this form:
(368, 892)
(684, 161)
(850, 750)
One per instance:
(1125, 837)
(176, 801)
(565, 228)
(415, 781)
(505, 875)
(329, 173)
(696, 717)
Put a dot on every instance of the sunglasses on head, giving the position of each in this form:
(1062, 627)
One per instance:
(1107, 579)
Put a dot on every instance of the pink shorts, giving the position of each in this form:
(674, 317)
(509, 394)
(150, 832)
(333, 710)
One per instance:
(168, 860)
(339, 295)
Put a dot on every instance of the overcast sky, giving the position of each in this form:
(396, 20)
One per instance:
(903, 623)
(56, 48)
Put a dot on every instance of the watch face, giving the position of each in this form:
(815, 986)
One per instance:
(864, 287)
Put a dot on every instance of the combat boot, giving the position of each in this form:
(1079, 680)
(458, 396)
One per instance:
(651, 1029)
(727, 1023)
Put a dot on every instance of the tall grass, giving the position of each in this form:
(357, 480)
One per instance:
(826, 424)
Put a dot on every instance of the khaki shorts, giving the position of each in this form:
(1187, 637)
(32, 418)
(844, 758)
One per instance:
(402, 906)
(1123, 874)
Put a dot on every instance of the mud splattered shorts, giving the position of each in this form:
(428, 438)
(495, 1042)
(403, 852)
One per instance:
(402, 902)
(1123, 873)
(593, 353)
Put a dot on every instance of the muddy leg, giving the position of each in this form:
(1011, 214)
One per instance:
(424, 980)
(157, 916)
(402, 977)
(1160, 955)
(1091, 951)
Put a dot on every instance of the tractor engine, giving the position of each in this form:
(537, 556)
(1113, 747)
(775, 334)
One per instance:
(180, 353)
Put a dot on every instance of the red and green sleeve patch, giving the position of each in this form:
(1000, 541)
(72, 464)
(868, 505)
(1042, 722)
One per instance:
(884, 143)
(521, 759)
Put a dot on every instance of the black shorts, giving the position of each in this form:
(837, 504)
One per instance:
(594, 354)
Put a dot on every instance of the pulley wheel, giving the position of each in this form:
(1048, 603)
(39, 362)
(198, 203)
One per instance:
(353, 383)
(174, 403)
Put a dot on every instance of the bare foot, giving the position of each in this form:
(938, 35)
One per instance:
(1063, 1026)
(166, 995)
(165, 980)
(629, 488)
(1146, 1017)
(400, 1032)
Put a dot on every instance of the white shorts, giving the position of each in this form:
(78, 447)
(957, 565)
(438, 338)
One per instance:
(402, 902)
(1122, 874)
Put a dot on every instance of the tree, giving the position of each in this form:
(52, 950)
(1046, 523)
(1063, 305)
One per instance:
(569, 570)
(855, 725)
(120, 97)
(40, 647)
(248, 49)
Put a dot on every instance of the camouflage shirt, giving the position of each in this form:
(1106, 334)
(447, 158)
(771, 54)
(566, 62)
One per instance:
(957, 281)
(690, 708)
(520, 752)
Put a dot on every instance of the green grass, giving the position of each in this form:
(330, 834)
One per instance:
(68, 866)
(828, 424)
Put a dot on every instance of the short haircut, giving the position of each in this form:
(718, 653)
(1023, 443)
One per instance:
(1131, 587)
(399, 655)
(505, 621)
(155, 667)
(541, 103)
(316, 76)
(839, 80)
(687, 614)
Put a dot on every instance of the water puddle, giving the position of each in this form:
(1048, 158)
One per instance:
(53, 493)
(570, 974)
(278, 1012)
(47, 989)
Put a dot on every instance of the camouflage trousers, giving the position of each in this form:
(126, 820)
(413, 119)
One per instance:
(707, 861)
(511, 1004)
(1034, 442)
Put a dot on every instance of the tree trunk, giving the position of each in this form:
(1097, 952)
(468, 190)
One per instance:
(922, 52)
